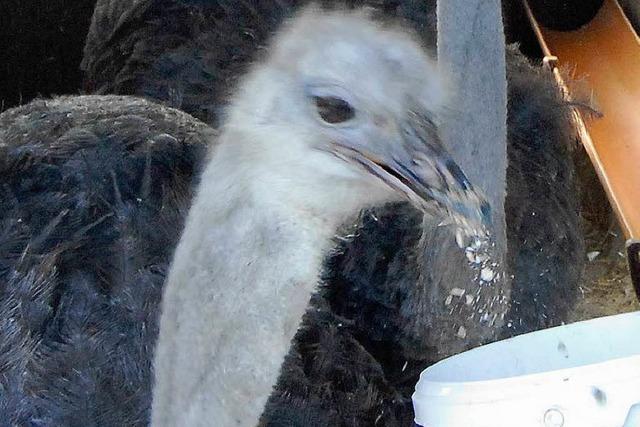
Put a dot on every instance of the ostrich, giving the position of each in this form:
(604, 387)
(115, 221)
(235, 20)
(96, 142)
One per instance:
(114, 173)
(372, 331)
(190, 57)
(338, 101)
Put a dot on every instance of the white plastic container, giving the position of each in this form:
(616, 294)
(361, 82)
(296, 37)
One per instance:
(586, 374)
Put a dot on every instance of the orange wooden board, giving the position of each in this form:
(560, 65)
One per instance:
(606, 54)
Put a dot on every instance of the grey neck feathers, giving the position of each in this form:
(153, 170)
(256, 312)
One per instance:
(240, 282)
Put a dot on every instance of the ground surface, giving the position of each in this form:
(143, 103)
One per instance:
(606, 287)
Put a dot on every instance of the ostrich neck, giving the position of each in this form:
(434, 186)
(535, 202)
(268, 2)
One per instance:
(239, 285)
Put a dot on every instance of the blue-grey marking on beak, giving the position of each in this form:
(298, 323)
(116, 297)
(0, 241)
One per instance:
(426, 168)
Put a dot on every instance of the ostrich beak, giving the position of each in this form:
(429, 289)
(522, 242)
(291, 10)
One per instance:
(420, 168)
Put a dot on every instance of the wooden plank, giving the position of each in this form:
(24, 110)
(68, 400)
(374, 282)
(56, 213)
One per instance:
(605, 53)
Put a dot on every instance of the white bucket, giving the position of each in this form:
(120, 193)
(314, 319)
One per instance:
(586, 374)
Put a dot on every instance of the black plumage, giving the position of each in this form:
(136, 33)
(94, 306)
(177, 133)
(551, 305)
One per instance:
(188, 53)
(80, 312)
(546, 246)
(92, 198)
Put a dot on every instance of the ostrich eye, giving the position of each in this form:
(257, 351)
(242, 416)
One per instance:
(334, 110)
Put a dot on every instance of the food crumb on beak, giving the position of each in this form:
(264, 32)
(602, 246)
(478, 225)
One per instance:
(487, 274)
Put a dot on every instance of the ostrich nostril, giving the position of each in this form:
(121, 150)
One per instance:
(485, 210)
(457, 174)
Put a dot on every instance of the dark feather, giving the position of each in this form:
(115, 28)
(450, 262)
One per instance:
(86, 243)
(82, 342)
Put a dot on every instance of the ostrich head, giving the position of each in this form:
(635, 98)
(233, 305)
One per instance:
(339, 99)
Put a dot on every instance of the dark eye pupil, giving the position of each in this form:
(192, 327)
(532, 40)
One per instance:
(334, 110)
